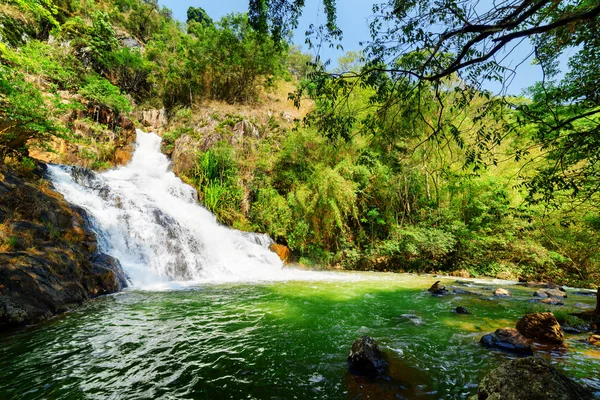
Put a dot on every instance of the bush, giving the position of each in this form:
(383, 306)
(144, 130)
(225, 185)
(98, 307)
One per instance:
(102, 91)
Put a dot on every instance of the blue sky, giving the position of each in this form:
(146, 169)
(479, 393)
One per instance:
(353, 20)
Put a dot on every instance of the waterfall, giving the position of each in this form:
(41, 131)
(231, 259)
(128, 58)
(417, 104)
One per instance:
(152, 222)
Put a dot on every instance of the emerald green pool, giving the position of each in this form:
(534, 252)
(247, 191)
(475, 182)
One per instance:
(286, 340)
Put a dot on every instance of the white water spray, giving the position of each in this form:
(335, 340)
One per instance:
(151, 221)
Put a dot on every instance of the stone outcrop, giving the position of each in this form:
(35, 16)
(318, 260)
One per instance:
(49, 258)
(507, 339)
(184, 154)
(529, 378)
(282, 251)
(366, 359)
(153, 120)
(542, 327)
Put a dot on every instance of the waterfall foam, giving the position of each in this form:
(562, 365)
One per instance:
(151, 221)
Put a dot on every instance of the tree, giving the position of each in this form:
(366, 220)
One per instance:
(448, 45)
(24, 115)
(197, 14)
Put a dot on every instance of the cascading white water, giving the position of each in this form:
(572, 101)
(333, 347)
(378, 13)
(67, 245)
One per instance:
(151, 221)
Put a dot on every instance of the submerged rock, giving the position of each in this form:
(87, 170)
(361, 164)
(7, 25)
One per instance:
(541, 326)
(529, 378)
(412, 318)
(507, 339)
(461, 310)
(366, 359)
(501, 293)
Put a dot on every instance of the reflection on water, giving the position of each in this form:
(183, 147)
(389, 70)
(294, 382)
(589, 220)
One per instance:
(280, 340)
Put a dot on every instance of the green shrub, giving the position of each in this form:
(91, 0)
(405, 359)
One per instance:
(102, 91)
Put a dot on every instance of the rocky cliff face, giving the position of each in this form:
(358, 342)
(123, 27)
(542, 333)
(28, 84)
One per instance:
(49, 259)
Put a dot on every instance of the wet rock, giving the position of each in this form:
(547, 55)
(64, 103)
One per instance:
(501, 293)
(366, 358)
(282, 251)
(552, 301)
(591, 294)
(556, 293)
(541, 326)
(462, 291)
(55, 266)
(461, 310)
(507, 339)
(594, 340)
(437, 289)
(529, 378)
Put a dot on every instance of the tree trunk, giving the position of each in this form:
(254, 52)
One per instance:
(597, 312)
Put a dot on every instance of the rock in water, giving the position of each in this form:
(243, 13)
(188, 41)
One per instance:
(460, 310)
(541, 326)
(556, 293)
(366, 359)
(552, 301)
(594, 340)
(529, 378)
(437, 289)
(508, 339)
(501, 293)
(282, 251)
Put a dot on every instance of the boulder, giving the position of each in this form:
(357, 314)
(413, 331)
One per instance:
(366, 359)
(55, 265)
(501, 293)
(461, 310)
(529, 378)
(184, 154)
(507, 339)
(541, 326)
(437, 289)
(552, 301)
(594, 340)
(282, 251)
(556, 293)
(154, 120)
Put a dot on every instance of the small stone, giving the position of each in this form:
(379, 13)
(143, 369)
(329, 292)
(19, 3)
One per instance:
(501, 293)
(461, 310)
